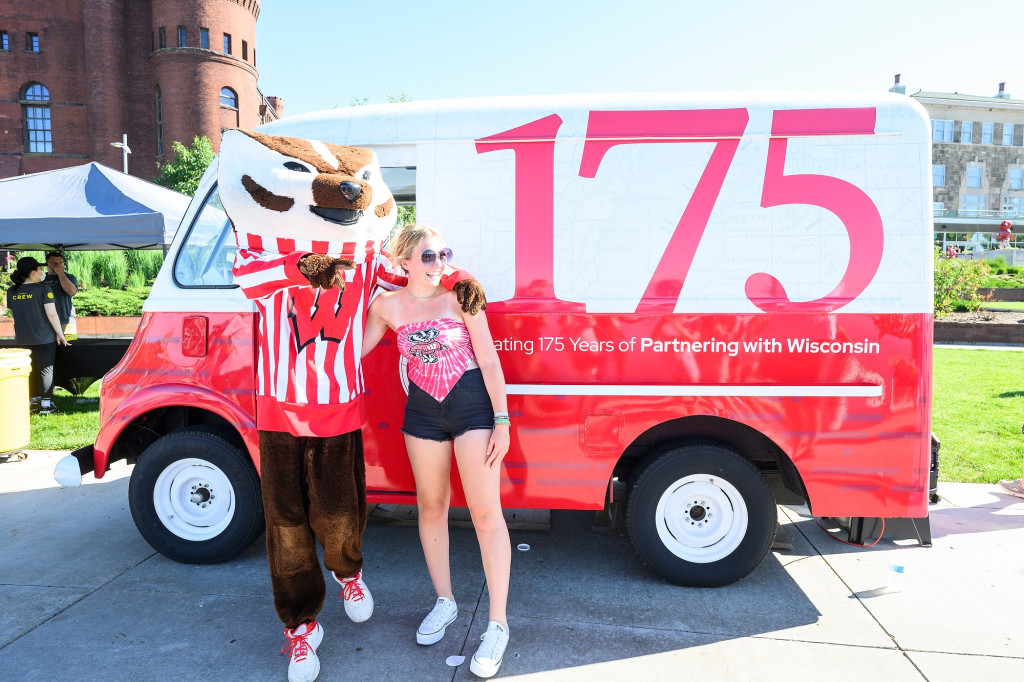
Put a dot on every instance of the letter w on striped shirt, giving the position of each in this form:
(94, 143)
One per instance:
(317, 314)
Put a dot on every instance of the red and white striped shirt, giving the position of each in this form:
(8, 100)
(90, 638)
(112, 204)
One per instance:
(309, 379)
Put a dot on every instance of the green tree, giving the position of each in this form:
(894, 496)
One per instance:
(184, 172)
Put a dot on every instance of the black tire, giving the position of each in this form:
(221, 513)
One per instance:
(685, 542)
(226, 517)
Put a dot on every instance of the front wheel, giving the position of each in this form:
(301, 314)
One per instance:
(195, 496)
(701, 515)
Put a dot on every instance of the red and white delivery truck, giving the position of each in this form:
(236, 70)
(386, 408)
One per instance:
(703, 305)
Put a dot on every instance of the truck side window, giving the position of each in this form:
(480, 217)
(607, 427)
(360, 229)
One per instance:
(206, 257)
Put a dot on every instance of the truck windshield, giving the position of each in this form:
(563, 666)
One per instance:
(205, 258)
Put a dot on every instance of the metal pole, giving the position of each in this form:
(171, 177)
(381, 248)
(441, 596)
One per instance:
(124, 151)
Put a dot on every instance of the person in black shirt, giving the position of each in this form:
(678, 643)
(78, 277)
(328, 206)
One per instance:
(64, 287)
(36, 326)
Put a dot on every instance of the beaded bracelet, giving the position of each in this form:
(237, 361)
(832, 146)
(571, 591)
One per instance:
(502, 420)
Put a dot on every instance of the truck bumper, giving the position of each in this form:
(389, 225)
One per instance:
(70, 469)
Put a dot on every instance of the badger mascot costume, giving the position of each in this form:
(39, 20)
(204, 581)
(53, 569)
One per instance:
(310, 220)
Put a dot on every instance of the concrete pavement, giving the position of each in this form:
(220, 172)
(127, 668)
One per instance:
(83, 597)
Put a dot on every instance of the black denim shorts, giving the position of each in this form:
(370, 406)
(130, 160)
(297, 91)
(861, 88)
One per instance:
(466, 407)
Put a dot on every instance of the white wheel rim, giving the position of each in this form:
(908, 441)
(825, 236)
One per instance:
(701, 518)
(194, 499)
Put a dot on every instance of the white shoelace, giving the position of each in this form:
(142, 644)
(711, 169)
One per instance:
(492, 641)
(438, 615)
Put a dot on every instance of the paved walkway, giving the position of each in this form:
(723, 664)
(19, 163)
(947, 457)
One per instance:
(83, 597)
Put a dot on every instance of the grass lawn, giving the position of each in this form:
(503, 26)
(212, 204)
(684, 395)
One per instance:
(74, 424)
(977, 412)
(1004, 305)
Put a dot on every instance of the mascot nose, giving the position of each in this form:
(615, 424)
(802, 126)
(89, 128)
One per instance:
(351, 190)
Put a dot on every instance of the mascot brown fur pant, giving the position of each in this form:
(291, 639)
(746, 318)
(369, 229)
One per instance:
(331, 474)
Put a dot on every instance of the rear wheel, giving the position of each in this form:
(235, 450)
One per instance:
(195, 496)
(701, 515)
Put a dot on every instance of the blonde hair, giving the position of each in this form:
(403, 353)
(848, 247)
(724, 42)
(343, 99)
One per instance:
(407, 239)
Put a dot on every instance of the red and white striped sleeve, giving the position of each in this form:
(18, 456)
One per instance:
(387, 275)
(452, 275)
(261, 274)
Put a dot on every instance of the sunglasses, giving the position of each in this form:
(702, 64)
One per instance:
(429, 256)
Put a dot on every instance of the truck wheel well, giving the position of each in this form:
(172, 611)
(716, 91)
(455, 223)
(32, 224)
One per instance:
(773, 462)
(147, 428)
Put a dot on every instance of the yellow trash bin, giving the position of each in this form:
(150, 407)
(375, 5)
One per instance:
(15, 365)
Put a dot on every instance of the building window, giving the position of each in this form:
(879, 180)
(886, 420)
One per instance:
(5, 41)
(204, 38)
(32, 42)
(942, 131)
(974, 176)
(972, 204)
(36, 105)
(227, 43)
(1007, 134)
(1013, 206)
(986, 133)
(228, 98)
(938, 175)
(181, 36)
(938, 207)
(159, 123)
(1016, 178)
(245, 51)
(254, 56)
(966, 131)
(163, 37)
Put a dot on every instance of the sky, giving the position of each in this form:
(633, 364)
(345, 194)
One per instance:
(319, 54)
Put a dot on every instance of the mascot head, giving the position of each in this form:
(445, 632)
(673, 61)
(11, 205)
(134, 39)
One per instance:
(303, 189)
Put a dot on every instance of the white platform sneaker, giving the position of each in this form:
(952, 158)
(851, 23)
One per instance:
(303, 665)
(487, 658)
(440, 617)
(357, 597)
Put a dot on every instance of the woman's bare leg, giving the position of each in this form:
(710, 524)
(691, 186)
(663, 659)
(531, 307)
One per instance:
(481, 485)
(431, 467)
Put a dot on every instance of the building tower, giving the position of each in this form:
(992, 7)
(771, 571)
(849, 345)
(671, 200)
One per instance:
(76, 75)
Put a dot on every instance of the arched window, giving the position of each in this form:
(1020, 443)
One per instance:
(228, 98)
(35, 103)
(159, 123)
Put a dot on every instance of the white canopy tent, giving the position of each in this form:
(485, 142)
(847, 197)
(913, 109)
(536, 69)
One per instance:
(88, 207)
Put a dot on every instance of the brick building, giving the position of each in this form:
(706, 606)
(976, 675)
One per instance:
(76, 75)
(977, 165)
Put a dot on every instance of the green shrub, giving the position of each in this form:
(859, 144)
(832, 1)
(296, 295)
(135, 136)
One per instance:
(995, 281)
(114, 269)
(957, 279)
(102, 301)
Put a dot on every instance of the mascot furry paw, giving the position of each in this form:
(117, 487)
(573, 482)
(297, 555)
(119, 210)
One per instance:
(310, 220)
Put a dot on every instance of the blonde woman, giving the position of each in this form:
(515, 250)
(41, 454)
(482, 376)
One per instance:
(456, 398)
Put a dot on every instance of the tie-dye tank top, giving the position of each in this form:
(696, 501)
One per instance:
(438, 352)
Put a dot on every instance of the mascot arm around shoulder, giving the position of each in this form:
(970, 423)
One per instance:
(326, 271)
